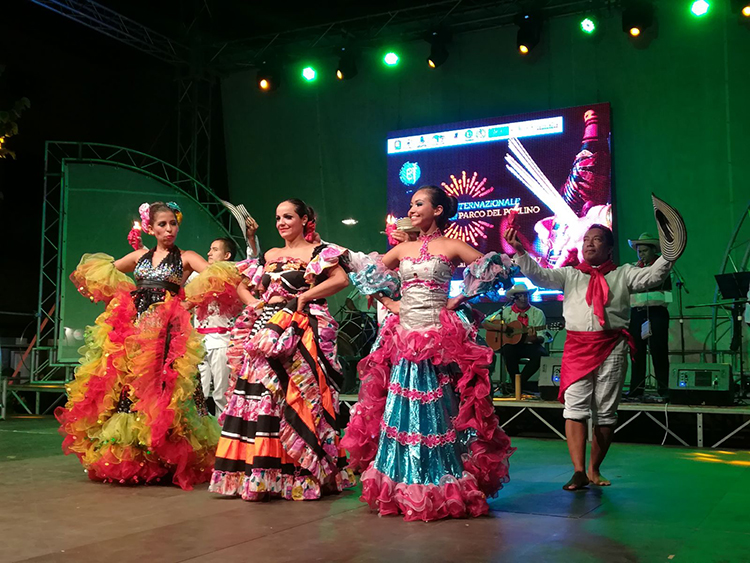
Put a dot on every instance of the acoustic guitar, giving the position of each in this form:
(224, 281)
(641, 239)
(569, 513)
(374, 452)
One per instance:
(500, 334)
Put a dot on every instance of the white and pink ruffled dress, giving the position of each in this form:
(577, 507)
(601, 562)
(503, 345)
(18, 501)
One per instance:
(424, 432)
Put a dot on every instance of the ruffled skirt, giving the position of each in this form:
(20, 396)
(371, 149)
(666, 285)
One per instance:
(279, 429)
(135, 412)
(424, 432)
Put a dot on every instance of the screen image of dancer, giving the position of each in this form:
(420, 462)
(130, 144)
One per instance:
(546, 174)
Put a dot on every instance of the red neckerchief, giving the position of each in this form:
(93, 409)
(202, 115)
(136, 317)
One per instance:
(642, 264)
(523, 318)
(597, 293)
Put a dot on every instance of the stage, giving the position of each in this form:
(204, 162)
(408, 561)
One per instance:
(666, 504)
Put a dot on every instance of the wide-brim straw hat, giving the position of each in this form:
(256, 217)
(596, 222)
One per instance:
(241, 215)
(672, 230)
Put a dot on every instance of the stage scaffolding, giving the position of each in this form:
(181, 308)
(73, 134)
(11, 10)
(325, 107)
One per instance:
(47, 375)
(648, 409)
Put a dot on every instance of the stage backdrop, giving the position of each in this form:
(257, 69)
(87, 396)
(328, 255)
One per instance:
(101, 204)
(545, 173)
(679, 115)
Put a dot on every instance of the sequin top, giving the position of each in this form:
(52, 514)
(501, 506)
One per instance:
(424, 287)
(153, 282)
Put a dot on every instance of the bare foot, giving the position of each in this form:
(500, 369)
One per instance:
(596, 478)
(577, 482)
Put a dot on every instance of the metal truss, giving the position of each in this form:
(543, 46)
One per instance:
(58, 155)
(194, 118)
(123, 29)
(402, 25)
(736, 259)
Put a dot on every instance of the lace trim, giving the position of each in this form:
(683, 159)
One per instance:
(424, 253)
(416, 439)
(429, 284)
(423, 397)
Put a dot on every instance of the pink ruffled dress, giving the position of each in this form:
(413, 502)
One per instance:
(424, 432)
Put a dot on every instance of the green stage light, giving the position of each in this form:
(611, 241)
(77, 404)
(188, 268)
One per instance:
(309, 74)
(700, 8)
(391, 58)
(588, 25)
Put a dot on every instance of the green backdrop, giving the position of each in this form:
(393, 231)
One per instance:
(680, 115)
(101, 204)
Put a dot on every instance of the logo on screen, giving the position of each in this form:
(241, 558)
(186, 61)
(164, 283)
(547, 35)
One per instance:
(410, 173)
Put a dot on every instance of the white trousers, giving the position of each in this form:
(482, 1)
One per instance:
(597, 395)
(214, 372)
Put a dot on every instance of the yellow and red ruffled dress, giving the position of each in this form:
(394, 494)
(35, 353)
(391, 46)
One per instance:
(280, 428)
(135, 410)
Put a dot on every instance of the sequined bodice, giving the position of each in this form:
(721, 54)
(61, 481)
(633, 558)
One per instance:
(284, 278)
(169, 269)
(153, 282)
(424, 288)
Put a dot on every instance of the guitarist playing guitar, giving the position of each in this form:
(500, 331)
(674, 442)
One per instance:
(513, 330)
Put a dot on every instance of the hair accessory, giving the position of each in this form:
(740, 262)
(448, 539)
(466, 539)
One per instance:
(143, 211)
(310, 231)
(177, 211)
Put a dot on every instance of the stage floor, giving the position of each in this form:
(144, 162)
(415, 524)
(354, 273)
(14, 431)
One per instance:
(666, 504)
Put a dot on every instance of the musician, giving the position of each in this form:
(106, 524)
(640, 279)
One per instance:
(531, 319)
(650, 306)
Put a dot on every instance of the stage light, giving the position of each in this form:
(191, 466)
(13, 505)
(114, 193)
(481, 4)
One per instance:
(391, 58)
(438, 50)
(347, 67)
(268, 77)
(700, 8)
(637, 16)
(349, 222)
(588, 25)
(529, 31)
(309, 74)
(746, 11)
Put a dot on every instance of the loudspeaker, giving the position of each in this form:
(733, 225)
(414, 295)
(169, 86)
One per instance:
(701, 384)
(549, 378)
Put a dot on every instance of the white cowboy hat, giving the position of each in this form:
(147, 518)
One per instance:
(672, 230)
(645, 238)
(519, 288)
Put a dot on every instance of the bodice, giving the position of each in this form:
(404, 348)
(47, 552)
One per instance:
(168, 271)
(425, 282)
(285, 278)
(153, 282)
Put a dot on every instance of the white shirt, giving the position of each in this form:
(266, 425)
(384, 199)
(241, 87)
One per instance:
(535, 315)
(623, 281)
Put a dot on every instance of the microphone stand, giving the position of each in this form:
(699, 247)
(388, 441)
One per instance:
(680, 282)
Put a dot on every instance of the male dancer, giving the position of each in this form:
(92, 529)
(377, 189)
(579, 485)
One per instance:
(216, 328)
(596, 308)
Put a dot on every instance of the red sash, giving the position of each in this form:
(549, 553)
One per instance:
(215, 330)
(585, 351)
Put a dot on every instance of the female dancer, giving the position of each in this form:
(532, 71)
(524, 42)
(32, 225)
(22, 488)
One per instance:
(280, 435)
(135, 411)
(424, 431)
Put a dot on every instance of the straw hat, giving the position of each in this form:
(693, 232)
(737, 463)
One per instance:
(405, 224)
(519, 288)
(672, 230)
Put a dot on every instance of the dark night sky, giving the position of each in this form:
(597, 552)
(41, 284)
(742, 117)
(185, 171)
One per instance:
(83, 86)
